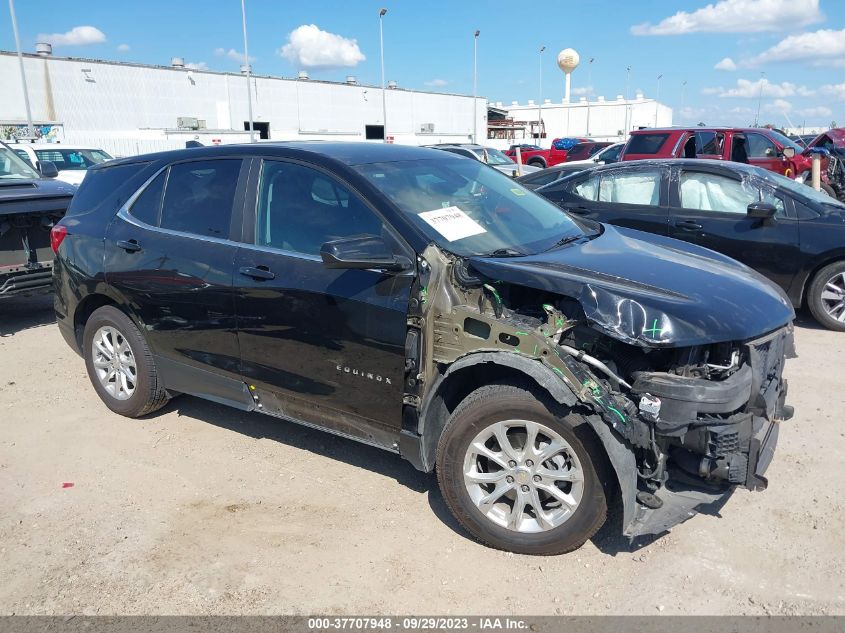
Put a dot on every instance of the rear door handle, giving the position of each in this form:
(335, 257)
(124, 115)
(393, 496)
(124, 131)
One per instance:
(130, 246)
(688, 225)
(257, 272)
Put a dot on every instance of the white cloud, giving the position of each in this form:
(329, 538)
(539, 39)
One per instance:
(726, 64)
(123, 48)
(737, 16)
(779, 105)
(77, 36)
(582, 91)
(436, 83)
(825, 47)
(233, 55)
(197, 65)
(747, 89)
(310, 47)
(835, 91)
(818, 111)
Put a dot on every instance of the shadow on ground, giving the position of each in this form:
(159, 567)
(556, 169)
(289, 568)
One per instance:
(23, 312)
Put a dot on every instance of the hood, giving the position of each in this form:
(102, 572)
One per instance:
(23, 195)
(652, 291)
(72, 176)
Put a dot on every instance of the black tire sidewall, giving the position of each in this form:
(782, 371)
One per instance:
(518, 404)
(110, 316)
(814, 296)
(536, 162)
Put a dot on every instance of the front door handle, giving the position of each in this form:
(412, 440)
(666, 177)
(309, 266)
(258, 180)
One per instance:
(130, 246)
(688, 225)
(257, 272)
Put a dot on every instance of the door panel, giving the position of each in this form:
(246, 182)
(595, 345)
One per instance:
(320, 345)
(179, 284)
(710, 210)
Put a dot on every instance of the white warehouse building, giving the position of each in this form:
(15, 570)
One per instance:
(600, 119)
(128, 108)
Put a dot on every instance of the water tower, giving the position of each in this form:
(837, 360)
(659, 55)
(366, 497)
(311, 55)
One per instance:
(567, 61)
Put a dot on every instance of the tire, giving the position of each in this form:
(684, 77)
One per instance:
(537, 162)
(826, 188)
(826, 296)
(562, 529)
(141, 392)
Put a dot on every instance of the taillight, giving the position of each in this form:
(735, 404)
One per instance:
(57, 235)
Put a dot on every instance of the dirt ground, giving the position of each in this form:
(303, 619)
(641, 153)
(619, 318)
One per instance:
(201, 509)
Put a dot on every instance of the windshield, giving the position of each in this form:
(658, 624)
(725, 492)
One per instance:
(800, 189)
(468, 209)
(494, 156)
(786, 142)
(13, 167)
(73, 158)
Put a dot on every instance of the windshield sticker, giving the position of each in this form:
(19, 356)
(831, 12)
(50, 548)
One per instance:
(452, 223)
(518, 192)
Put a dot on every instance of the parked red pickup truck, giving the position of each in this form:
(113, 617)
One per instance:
(757, 146)
(543, 158)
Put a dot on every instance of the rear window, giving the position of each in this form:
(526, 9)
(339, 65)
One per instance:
(100, 185)
(646, 143)
(199, 197)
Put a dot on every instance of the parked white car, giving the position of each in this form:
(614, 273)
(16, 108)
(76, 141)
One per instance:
(72, 161)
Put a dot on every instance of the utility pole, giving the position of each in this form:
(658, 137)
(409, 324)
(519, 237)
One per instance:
(657, 100)
(589, 90)
(627, 80)
(683, 94)
(381, 13)
(540, 102)
(248, 74)
(760, 99)
(475, 87)
(30, 131)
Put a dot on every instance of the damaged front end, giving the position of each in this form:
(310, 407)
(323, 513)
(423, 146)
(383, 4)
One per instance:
(683, 420)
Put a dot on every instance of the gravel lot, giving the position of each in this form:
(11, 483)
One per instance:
(204, 509)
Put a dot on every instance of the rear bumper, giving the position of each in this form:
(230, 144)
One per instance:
(26, 279)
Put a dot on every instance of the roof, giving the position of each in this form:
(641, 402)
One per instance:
(185, 69)
(52, 146)
(694, 128)
(342, 152)
(712, 165)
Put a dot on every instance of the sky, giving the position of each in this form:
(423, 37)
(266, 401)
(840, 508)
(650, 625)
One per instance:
(786, 55)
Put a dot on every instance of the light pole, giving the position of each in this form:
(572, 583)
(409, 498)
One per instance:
(30, 132)
(657, 100)
(381, 14)
(475, 87)
(540, 102)
(627, 80)
(248, 74)
(683, 95)
(589, 90)
(759, 99)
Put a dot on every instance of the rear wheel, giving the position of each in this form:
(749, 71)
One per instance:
(825, 188)
(517, 474)
(537, 162)
(120, 364)
(826, 296)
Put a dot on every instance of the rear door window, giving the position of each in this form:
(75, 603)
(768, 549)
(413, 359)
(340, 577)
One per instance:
(199, 197)
(646, 143)
(641, 187)
(709, 143)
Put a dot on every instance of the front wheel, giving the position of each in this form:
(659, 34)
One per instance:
(516, 473)
(826, 296)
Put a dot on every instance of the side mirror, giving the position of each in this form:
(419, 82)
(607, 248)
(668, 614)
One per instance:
(47, 168)
(362, 252)
(761, 210)
(788, 152)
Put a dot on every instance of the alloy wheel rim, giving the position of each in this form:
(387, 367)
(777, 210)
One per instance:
(523, 476)
(833, 297)
(114, 363)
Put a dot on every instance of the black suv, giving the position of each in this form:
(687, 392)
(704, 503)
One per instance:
(426, 304)
(30, 205)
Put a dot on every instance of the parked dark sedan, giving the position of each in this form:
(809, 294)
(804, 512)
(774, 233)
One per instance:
(790, 233)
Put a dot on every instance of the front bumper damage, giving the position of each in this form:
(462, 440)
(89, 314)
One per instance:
(720, 435)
